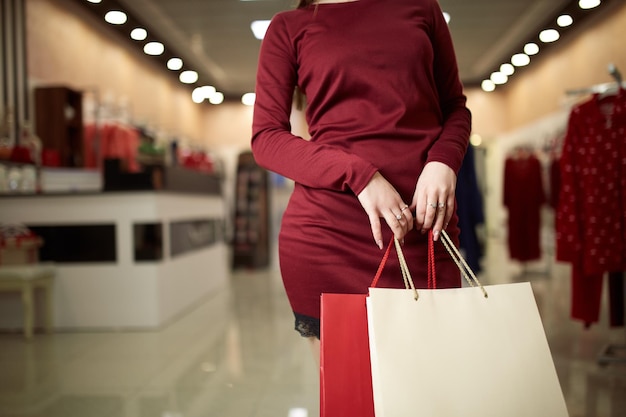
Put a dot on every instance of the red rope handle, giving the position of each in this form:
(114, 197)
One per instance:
(382, 264)
(432, 276)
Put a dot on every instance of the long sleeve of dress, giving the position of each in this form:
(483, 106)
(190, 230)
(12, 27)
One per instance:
(451, 146)
(273, 144)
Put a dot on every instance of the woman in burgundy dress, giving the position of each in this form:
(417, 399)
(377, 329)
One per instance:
(389, 128)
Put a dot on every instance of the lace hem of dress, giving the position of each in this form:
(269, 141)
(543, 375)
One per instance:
(307, 326)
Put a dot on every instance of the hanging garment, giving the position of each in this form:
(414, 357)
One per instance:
(591, 212)
(122, 142)
(523, 197)
(469, 203)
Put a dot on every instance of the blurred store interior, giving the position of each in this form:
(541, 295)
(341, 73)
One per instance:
(139, 272)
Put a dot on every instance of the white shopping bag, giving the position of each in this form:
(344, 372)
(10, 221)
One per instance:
(457, 353)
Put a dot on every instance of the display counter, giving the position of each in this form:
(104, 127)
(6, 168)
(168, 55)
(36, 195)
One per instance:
(123, 259)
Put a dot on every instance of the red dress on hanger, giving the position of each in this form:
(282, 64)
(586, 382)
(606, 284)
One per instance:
(591, 212)
(523, 197)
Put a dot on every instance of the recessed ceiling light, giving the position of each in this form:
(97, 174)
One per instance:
(248, 99)
(564, 20)
(216, 98)
(188, 77)
(139, 34)
(507, 69)
(549, 35)
(498, 78)
(154, 48)
(589, 4)
(488, 86)
(531, 48)
(95, 1)
(520, 60)
(259, 27)
(115, 17)
(200, 94)
(174, 64)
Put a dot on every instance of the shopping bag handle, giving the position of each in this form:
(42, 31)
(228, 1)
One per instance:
(460, 262)
(466, 271)
(406, 274)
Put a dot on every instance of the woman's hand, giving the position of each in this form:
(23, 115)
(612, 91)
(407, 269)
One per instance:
(433, 201)
(380, 199)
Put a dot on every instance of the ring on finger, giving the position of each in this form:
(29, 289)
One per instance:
(404, 208)
(431, 205)
(398, 217)
(441, 205)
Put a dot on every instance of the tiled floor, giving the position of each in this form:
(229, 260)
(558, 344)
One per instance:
(236, 355)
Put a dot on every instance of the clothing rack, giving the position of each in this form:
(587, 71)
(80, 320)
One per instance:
(603, 88)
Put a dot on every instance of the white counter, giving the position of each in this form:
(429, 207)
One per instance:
(124, 293)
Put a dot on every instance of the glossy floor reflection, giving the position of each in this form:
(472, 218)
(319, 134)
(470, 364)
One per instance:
(236, 355)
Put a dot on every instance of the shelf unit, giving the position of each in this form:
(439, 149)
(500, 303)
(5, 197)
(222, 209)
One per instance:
(251, 225)
(59, 122)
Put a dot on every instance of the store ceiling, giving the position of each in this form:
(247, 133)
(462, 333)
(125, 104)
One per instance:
(214, 36)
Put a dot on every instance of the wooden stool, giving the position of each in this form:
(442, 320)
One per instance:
(27, 278)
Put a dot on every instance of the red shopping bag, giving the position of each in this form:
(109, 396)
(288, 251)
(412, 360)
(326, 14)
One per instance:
(345, 367)
(345, 370)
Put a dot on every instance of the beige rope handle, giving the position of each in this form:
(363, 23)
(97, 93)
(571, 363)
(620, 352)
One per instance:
(460, 262)
(406, 274)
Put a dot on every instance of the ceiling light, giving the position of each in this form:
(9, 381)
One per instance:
(498, 78)
(488, 85)
(259, 27)
(139, 34)
(200, 94)
(248, 99)
(115, 17)
(507, 69)
(154, 48)
(549, 35)
(588, 4)
(564, 20)
(216, 98)
(531, 48)
(446, 16)
(188, 77)
(174, 64)
(520, 60)
(94, 1)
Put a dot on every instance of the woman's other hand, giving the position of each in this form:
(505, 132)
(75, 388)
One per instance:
(434, 198)
(381, 200)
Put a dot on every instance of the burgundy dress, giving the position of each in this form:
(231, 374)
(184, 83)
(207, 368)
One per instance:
(384, 95)
(591, 214)
(523, 197)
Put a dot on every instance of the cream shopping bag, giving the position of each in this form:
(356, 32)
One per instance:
(458, 353)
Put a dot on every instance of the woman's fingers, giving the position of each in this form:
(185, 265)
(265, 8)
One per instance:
(434, 198)
(400, 220)
(380, 200)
